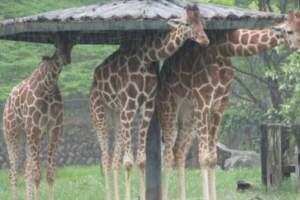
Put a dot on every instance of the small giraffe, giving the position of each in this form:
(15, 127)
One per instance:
(125, 84)
(196, 84)
(35, 107)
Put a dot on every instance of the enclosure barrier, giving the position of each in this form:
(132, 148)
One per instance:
(275, 139)
(296, 131)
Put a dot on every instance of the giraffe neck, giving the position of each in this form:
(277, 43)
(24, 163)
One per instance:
(51, 67)
(244, 42)
(164, 45)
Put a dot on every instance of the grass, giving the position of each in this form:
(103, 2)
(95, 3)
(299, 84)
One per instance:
(86, 183)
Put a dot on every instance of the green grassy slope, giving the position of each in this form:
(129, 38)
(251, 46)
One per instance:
(18, 59)
(77, 183)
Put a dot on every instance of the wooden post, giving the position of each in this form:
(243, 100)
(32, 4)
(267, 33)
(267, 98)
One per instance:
(271, 155)
(296, 130)
(263, 130)
(153, 163)
(285, 144)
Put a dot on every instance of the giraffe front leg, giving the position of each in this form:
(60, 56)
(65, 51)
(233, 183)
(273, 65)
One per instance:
(217, 116)
(212, 170)
(147, 112)
(201, 117)
(212, 162)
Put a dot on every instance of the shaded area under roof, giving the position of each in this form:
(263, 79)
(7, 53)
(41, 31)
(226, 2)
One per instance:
(117, 20)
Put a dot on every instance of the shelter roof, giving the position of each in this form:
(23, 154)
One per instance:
(109, 22)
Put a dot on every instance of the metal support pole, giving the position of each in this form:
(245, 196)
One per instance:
(153, 163)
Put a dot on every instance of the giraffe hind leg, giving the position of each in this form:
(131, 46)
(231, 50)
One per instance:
(11, 136)
(127, 118)
(182, 144)
(55, 134)
(147, 112)
(116, 161)
(13, 154)
(168, 124)
(33, 141)
(217, 115)
(100, 124)
(181, 148)
(28, 176)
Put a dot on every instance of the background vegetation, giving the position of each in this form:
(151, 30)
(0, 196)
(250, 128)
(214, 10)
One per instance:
(266, 87)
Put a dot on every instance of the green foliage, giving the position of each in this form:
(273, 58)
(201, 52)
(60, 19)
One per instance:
(223, 2)
(291, 86)
(19, 59)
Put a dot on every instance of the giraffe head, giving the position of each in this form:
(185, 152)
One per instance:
(192, 25)
(292, 30)
(63, 49)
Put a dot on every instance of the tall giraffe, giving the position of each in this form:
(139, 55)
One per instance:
(35, 108)
(126, 83)
(196, 84)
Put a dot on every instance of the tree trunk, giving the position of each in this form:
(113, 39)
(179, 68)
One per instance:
(283, 5)
(275, 93)
(262, 5)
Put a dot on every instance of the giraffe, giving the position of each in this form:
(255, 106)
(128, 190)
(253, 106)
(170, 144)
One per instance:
(35, 108)
(196, 84)
(125, 84)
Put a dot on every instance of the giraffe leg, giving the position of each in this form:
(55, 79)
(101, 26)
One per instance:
(11, 139)
(28, 175)
(55, 134)
(181, 148)
(33, 141)
(217, 115)
(105, 160)
(147, 112)
(212, 183)
(167, 118)
(205, 184)
(201, 119)
(126, 124)
(116, 163)
(99, 121)
(168, 155)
